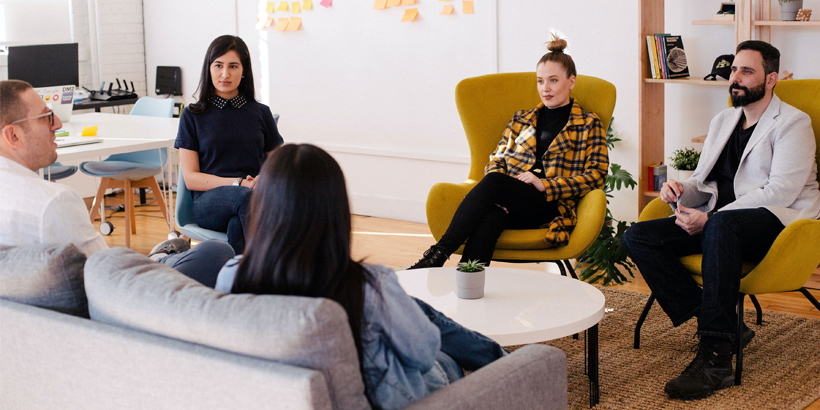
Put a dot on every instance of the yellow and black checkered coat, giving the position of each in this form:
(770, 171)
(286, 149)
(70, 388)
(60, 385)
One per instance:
(575, 163)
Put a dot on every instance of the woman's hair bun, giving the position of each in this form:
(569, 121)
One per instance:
(556, 44)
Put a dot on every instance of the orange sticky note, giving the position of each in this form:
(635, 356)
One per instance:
(409, 15)
(468, 7)
(294, 24)
(408, 2)
(447, 10)
(271, 6)
(379, 4)
(281, 24)
(90, 131)
(295, 7)
(260, 24)
(391, 3)
(268, 22)
(283, 6)
(307, 5)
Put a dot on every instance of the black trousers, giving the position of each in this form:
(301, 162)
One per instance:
(496, 203)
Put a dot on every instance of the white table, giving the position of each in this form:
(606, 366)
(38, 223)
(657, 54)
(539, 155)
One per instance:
(122, 134)
(519, 307)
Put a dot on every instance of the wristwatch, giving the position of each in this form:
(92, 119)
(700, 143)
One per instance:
(237, 181)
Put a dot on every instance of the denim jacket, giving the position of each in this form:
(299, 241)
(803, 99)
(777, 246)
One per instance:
(399, 343)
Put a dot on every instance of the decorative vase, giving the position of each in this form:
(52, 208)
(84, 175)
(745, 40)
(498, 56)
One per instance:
(470, 285)
(788, 9)
(684, 175)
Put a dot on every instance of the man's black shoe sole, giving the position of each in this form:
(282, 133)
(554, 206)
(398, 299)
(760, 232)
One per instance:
(725, 384)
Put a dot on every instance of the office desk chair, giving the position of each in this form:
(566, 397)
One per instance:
(133, 169)
(57, 171)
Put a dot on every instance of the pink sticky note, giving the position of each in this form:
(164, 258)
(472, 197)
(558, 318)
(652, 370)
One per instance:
(326, 3)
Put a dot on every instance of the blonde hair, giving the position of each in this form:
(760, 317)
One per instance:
(556, 54)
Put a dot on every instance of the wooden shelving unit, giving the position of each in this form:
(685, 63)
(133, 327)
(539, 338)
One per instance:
(752, 21)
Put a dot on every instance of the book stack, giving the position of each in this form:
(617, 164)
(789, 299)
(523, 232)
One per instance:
(667, 59)
(656, 177)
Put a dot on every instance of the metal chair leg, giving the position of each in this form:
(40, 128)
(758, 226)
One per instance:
(810, 297)
(739, 339)
(570, 268)
(758, 309)
(637, 343)
(561, 267)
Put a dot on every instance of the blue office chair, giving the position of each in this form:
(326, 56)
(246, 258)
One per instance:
(58, 171)
(133, 169)
(185, 216)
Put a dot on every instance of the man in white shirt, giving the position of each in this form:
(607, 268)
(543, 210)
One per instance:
(35, 211)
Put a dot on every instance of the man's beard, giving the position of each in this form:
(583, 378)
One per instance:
(749, 96)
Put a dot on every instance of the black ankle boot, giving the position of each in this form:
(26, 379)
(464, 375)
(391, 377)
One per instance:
(711, 370)
(433, 258)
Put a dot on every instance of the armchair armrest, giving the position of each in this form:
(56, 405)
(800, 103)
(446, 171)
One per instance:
(790, 261)
(532, 377)
(656, 209)
(442, 202)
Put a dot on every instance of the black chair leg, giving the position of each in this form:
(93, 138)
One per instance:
(561, 267)
(739, 339)
(758, 309)
(570, 268)
(810, 297)
(637, 343)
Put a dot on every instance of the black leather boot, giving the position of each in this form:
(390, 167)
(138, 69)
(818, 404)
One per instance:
(711, 370)
(433, 258)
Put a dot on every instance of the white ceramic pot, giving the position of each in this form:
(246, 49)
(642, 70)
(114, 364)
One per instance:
(684, 175)
(788, 10)
(470, 285)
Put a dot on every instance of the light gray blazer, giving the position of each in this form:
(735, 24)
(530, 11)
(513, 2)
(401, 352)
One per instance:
(777, 170)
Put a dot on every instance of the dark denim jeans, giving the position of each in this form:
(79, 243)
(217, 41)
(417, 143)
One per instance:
(201, 263)
(728, 239)
(479, 219)
(225, 209)
(470, 350)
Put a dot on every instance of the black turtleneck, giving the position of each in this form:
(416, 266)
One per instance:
(548, 125)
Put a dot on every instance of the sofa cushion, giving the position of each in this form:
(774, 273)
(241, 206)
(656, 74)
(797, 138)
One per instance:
(127, 289)
(47, 276)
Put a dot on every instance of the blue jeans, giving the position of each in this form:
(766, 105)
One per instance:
(728, 239)
(202, 262)
(225, 209)
(470, 350)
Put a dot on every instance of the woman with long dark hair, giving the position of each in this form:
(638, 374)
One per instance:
(223, 140)
(299, 244)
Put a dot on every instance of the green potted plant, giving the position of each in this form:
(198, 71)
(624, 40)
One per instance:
(685, 161)
(601, 260)
(470, 279)
(789, 8)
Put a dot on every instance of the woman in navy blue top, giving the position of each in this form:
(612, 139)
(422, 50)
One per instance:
(223, 140)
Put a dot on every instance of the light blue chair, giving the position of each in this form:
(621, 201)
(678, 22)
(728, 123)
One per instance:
(185, 216)
(133, 169)
(58, 171)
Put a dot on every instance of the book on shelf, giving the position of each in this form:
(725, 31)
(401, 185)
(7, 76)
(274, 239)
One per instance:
(675, 57)
(659, 45)
(656, 176)
(652, 57)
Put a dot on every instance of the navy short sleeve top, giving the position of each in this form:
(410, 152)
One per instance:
(231, 136)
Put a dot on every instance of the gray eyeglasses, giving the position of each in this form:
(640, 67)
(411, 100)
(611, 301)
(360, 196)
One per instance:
(50, 115)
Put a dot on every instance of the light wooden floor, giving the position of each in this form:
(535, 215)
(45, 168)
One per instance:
(398, 244)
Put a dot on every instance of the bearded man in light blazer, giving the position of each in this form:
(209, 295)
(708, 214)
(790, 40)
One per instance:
(757, 173)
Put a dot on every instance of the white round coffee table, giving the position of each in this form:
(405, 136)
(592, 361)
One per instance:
(519, 307)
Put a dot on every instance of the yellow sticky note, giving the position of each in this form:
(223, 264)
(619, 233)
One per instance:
(409, 15)
(379, 4)
(468, 7)
(90, 131)
(271, 6)
(408, 2)
(283, 6)
(307, 5)
(294, 24)
(281, 24)
(295, 7)
(447, 10)
(391, 3)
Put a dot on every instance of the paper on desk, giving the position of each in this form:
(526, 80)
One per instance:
(409, 15)
(448, 9)
(90, 131)
(294, 24)
(468, 7)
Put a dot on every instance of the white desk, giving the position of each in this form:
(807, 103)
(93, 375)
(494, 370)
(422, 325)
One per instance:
(122, 134)
(519, 306)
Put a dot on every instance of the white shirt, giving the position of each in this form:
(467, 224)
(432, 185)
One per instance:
(34, 211)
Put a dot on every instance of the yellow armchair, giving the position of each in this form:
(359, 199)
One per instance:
(486, 104)
(794, 255)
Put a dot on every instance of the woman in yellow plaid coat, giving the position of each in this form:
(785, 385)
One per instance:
(547, 159)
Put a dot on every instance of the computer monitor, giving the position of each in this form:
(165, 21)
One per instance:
(46, 65)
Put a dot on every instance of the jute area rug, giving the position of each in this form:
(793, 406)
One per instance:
(781, 366)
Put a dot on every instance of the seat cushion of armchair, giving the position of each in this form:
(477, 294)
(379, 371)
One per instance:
(127, 289)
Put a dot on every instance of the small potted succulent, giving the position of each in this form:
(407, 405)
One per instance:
(470, 280)
(789, 8)
(685, 161)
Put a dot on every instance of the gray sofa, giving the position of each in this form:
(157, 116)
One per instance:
(158, 340)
